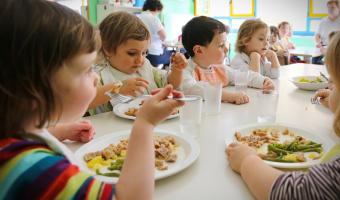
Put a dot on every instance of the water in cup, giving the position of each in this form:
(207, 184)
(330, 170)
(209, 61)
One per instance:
(190, 117)
(267, 105)
(241, 79)
(212, 98)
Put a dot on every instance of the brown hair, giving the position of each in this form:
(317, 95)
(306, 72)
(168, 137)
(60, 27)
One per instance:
(331, 34)
(246, 31)
(332, 62)
(37, 36)
(284, 23)
(207, 27)
(274, 31)
(119, 27)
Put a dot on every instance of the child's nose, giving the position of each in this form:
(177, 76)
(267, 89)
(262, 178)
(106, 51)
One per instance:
(226, 49)
(139, 59)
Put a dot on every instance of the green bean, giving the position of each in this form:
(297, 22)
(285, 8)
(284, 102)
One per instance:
(278, 150)
(315, 149)
(109, 174)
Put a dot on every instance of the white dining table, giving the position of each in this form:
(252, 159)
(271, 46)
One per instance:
(210, 176)
(306, 53)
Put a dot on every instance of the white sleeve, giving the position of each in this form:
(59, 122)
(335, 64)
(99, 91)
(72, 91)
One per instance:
(255, 79)
(190, 86)
(239, 63)
(273, 73)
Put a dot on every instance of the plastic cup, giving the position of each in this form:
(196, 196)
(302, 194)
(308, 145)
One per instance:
(190, 116)
(212, 98)
(267, 102)
(241, 79)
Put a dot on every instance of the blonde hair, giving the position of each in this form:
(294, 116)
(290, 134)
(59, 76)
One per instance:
(118, 27)
(246, 31)
(332, 62)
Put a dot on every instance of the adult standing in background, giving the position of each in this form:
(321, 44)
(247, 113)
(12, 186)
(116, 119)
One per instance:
(328, 24)
(157, 54)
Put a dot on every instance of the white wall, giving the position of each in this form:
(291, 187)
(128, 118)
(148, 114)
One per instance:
(275, 11)
(73, 4)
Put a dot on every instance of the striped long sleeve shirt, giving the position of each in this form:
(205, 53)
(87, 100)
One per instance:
(320, 182)
(32, 170)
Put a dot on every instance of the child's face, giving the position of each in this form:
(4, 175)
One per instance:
(217, 50)
(273, 38)
(284, 30)
(333, 8)
(259, 42)
(75, 85)
(129, 56)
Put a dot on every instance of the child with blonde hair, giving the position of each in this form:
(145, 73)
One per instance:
(46, 79)
(252, 45)
(208, 50)
(125, 42)
(285, 31)
(320, 182)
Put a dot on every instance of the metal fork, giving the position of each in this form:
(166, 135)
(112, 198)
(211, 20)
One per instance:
(314, 100)
(116, 98)
(324, 76)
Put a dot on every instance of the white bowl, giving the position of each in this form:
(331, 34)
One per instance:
(308, 85)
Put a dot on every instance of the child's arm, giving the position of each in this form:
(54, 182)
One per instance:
(258, 176)
(255, 60)
(235, 97)
(101, 98)
(178, 63)
(137, 177)
(81, 131)
(255, 79)
(272, 57)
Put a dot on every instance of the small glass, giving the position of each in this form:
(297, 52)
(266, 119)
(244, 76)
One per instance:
(267, 101)
(241, 79)
(212, 93)
(190, 116)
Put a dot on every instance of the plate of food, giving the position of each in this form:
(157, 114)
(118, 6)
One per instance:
(130, 109)
(310, 82)
(104, 156)
(281, 145)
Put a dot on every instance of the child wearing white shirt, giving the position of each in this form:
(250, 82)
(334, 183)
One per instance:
(252, 46)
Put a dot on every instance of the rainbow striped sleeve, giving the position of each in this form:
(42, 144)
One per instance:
(31, 170)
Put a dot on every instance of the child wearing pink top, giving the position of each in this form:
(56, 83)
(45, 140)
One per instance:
(208, 51)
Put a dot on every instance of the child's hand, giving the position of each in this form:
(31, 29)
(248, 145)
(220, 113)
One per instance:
(178, 61)
(255, 56)
(237, 98)
(159, 107)
(268, 84)
(324, 96)
(80, 131)
(134, 86)
(237, 153)
(270, 55)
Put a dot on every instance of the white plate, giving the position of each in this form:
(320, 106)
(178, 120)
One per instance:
(121, 108)
(309, 86)
(326, 143)
(187, 152)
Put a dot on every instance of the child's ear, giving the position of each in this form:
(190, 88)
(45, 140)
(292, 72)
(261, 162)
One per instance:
(106, 52)
(197, 49)
(246, 40)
